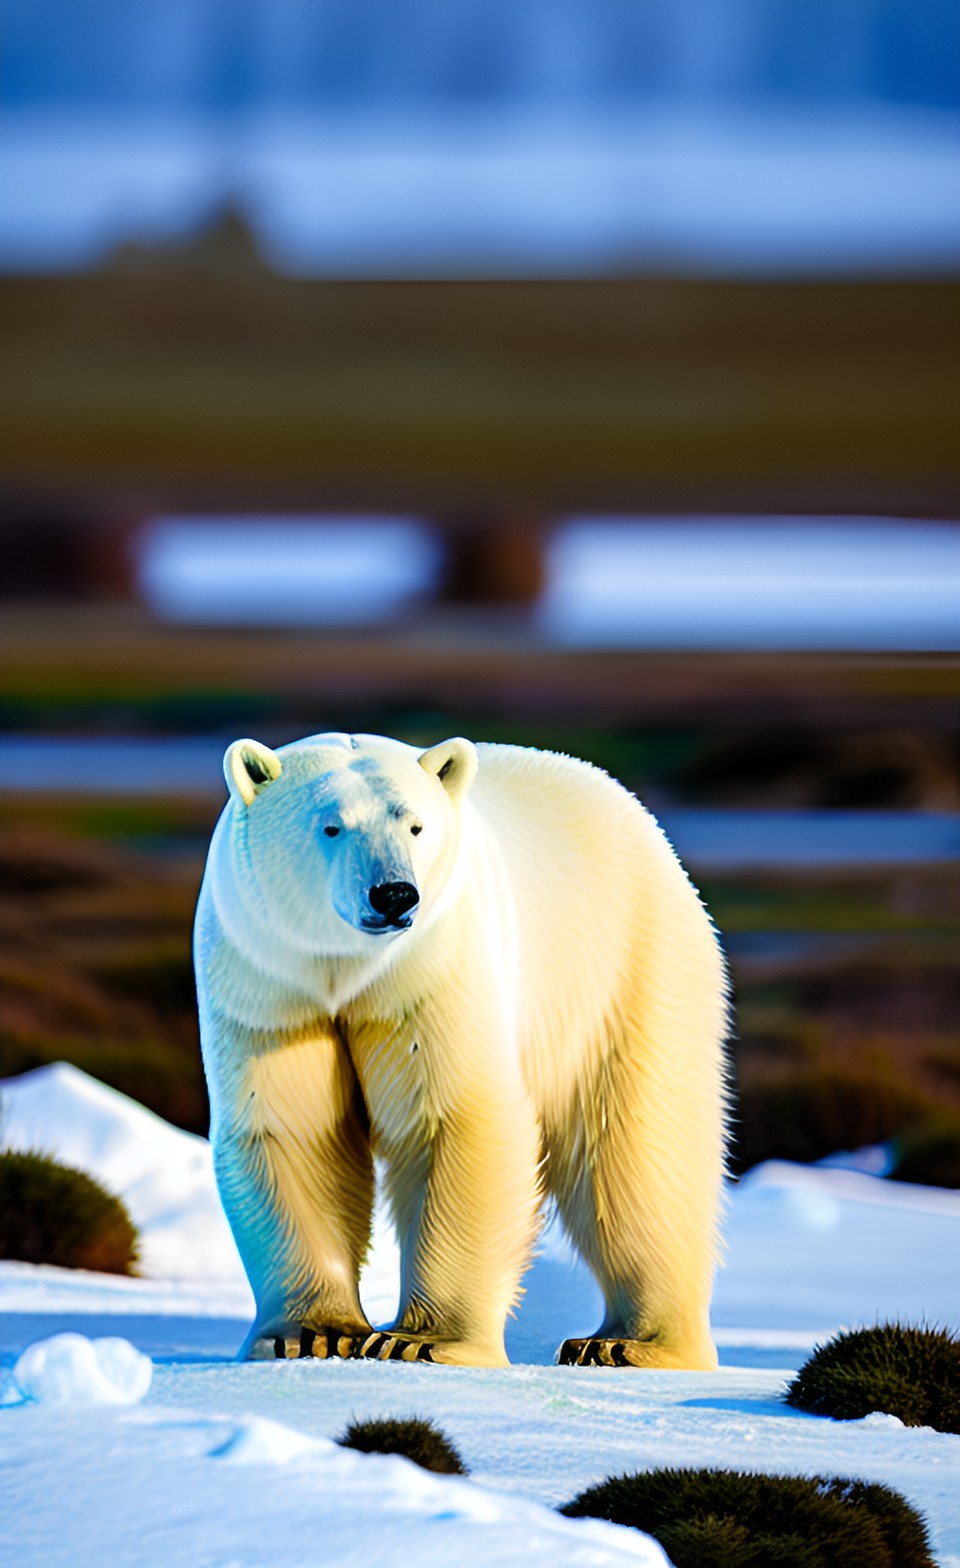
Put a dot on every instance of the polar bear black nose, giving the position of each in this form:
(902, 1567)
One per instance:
(393, 899)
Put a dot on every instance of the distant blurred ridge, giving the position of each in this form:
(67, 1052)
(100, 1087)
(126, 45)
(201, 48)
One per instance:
(539, 137)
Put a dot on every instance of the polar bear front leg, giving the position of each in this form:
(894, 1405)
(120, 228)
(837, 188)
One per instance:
(465, 1200)
(471, 1240)
(460, 1143)
(295, 1173)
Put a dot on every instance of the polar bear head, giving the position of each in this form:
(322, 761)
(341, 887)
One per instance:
(343, 843)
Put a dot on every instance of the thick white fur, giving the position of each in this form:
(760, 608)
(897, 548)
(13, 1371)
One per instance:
(552, 1021)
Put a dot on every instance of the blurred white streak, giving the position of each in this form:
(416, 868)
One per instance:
(765, 583)
(271, 571)
(612, 582)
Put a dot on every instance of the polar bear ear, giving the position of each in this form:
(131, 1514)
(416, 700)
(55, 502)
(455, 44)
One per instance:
(249, 767)
(454, 763)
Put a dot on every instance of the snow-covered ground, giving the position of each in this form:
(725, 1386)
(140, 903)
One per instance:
(230, 1464)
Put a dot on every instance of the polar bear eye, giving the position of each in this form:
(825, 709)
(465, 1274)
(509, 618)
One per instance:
(331, 830)
(416, 827)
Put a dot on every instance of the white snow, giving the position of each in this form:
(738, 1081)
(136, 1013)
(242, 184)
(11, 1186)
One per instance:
(811, 1249)
(262, 1442)
(70, 1369)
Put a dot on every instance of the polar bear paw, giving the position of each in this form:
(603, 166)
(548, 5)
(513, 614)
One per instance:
(605, 1353)
(377, 1345)
(653, 1353)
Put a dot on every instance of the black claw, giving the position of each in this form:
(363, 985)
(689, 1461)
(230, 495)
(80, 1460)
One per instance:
(397, 1349)
(280, 1349)
(307, 1337)
(567, 1356)
(425, 1353)
(618, 1355)
(592, 1354)
(371, 1352)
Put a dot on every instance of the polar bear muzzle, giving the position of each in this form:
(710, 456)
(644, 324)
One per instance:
(394, 901)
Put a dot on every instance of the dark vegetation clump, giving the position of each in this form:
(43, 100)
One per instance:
(929, 1154)
(728, 1519)
(812, 1111)
(414, 1439)
(862, 1050)
(912, 1373)
(51, 1213)
(96, 906)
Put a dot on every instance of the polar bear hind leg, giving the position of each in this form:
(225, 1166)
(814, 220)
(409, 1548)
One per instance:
(636, 1167)
(650, 1243)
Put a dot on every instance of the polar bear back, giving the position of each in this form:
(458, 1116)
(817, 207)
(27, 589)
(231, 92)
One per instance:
(599, 903)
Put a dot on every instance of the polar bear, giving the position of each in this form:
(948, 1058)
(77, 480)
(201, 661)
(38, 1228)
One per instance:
(484, 966)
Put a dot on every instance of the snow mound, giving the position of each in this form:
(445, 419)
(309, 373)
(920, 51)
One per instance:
(841, 1183)
(164, 1176)
(819, 1248)
(70, 1369)
(260, 1441)
(390, 1493)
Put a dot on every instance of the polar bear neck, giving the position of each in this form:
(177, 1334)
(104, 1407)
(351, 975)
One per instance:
(268, 983)
(338, 981)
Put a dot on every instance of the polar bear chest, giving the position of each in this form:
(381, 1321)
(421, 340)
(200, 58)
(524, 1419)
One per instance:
(393, 1071)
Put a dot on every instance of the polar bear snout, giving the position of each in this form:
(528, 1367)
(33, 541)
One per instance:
(394, 901)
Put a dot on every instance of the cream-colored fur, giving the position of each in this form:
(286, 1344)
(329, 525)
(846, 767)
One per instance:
(550, 1021)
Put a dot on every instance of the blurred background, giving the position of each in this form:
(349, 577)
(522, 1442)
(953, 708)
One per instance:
(579, 373)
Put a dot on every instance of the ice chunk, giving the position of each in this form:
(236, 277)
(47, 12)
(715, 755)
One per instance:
(70, 1369)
